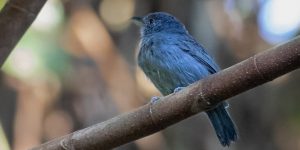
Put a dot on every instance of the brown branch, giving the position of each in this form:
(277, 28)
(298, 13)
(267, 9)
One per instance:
(15, 19)
(173, 108)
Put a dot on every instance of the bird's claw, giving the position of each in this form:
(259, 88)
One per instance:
(178, 89)
(226, 105)
(153, 100)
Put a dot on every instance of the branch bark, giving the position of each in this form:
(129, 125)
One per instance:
(15, 19)
(196, 98)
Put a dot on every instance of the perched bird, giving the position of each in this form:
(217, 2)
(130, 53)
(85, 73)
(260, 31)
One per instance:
(172, 59)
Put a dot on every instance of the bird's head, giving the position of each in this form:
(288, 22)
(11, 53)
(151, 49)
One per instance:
(159, 22)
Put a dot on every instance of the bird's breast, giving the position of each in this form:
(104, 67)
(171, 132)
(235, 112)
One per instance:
(168, 67)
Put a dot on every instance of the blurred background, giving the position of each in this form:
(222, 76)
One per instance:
(76, 66)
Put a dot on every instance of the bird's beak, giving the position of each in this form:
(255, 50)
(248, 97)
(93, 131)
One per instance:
(138, 21)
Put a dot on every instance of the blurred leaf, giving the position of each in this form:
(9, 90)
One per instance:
(39, 51)
(2, 3)
(3, 141)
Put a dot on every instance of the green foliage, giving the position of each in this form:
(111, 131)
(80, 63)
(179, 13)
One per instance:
(2, 3)
(3, 141)
(39, 51)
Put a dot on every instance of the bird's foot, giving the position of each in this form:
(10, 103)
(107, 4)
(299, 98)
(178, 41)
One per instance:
(153, 100)
(178, 89)
(226, 105)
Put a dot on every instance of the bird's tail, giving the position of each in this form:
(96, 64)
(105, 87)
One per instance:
(224, 126)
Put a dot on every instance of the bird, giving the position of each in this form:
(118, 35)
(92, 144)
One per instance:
(172, 59)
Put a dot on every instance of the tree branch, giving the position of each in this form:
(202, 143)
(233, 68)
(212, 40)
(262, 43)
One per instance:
(173, 108)
(15, 19)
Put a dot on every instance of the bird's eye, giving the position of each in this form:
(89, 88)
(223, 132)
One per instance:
(151, 21)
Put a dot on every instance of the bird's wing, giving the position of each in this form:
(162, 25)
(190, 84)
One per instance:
(194, 49)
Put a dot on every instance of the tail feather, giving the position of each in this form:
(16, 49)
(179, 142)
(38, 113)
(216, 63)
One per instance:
(224, 126)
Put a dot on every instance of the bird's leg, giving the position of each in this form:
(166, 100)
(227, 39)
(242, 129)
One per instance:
(178, 89)
(154, 99)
